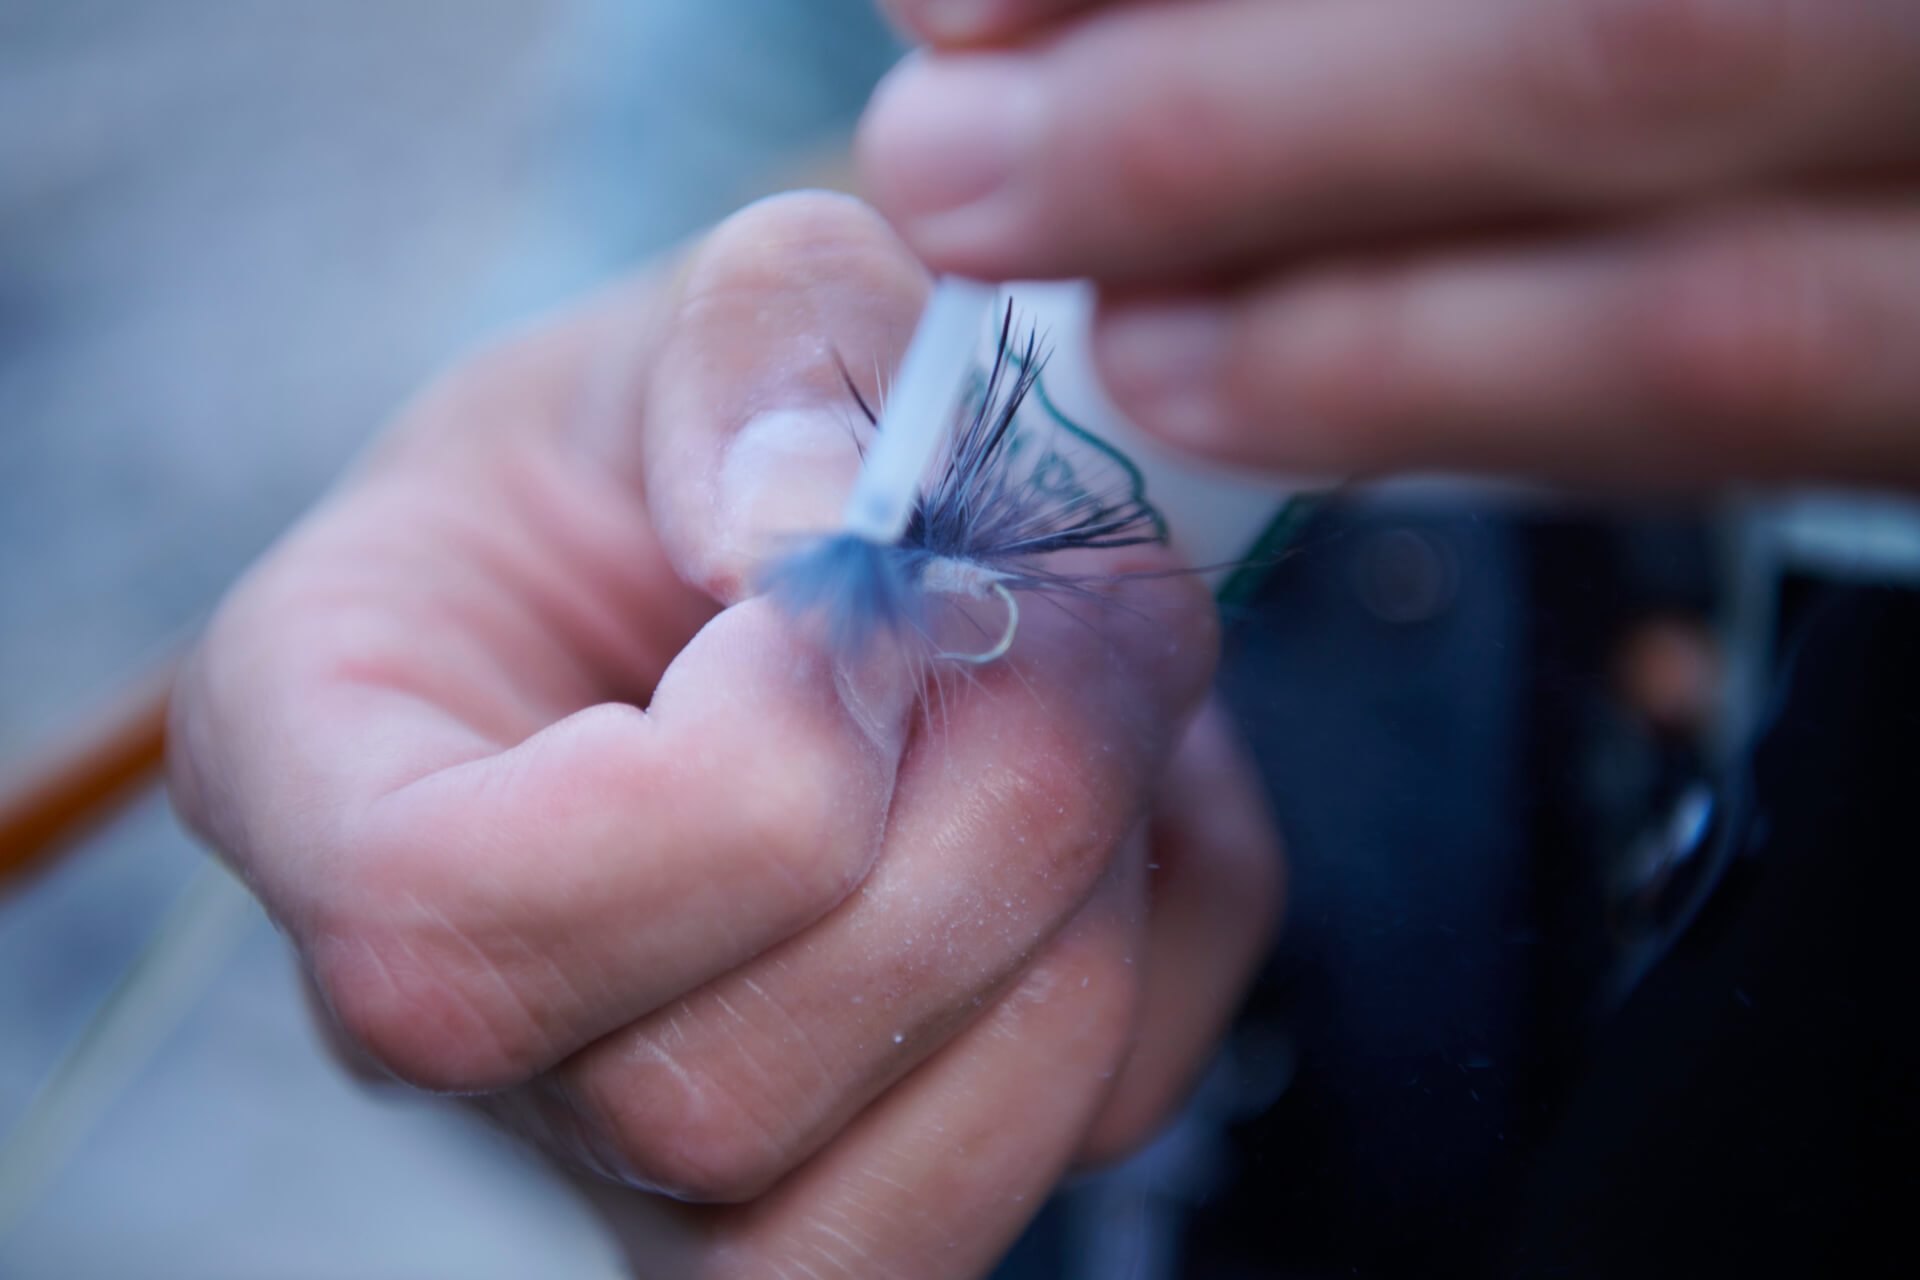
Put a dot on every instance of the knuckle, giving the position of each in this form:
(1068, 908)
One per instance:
(424, 1025)
(678, 1129)
(1160, 146)
(1744, 326)
(1336, 352)
(1606, 70)
(424, 998)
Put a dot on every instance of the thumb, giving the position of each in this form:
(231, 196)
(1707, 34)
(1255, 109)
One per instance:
(748, 435)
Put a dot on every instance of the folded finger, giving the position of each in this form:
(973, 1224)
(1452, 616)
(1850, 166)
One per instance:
(1760, 343)
(493, 916)
(1166, 138)
(1027, 780)
(938, 1177)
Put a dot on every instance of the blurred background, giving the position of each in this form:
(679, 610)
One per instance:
(1508, 738)
(233, 237)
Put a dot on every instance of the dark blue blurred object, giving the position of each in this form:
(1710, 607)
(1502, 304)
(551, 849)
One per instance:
(1554, 998)
(1378, 681)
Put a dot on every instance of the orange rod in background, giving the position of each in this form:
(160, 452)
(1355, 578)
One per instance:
(64, 789)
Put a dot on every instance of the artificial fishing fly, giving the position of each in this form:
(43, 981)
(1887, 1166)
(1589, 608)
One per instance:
(1001, 494)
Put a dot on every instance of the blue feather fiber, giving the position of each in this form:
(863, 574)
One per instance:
(997, 502)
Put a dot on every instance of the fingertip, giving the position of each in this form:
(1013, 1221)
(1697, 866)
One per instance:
(1304, 377)
(749, 425)
(774, 227)
(942, 146)
(1166, 364)
(759, 663)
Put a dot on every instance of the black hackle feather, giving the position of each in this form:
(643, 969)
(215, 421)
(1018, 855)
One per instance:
(1000, 497)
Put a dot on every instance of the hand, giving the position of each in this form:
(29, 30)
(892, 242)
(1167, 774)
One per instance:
(871, 968)
(1627, 242)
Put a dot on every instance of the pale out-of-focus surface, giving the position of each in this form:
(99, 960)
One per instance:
(233, 236)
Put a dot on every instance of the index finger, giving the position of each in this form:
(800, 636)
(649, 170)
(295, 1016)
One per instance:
(1154, 140)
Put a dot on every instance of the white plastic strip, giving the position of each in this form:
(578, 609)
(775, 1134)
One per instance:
(919, 408)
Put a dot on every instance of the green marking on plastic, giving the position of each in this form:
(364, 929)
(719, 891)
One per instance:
(1279, 534)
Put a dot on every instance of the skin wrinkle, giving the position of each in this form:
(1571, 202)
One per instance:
(507, 783)
(373, 661)
(781, 1132)
(855, 1251)
(859, 1222)
(795, 1034)
(483, 965)
(558, 987)
(526, 485)
(499, 587)
(379, 655)
(700, 1093)
(881, 1071)
(952, 846)
(636, 712)
(610, 616)
(1037, 990)
(1026, 792)
(601, 638)
(366, 1021)
(603, 993)
(912, 1152)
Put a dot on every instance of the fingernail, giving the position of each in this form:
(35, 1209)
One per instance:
(1165, 365)
(944, 134)
(785, 475)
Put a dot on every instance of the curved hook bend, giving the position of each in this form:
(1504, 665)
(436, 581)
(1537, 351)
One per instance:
(1006, 639)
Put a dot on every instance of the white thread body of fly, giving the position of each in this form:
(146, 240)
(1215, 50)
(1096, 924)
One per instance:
(955, 577)
(917, 413)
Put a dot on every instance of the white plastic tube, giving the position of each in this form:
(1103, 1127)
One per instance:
(919, 408)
